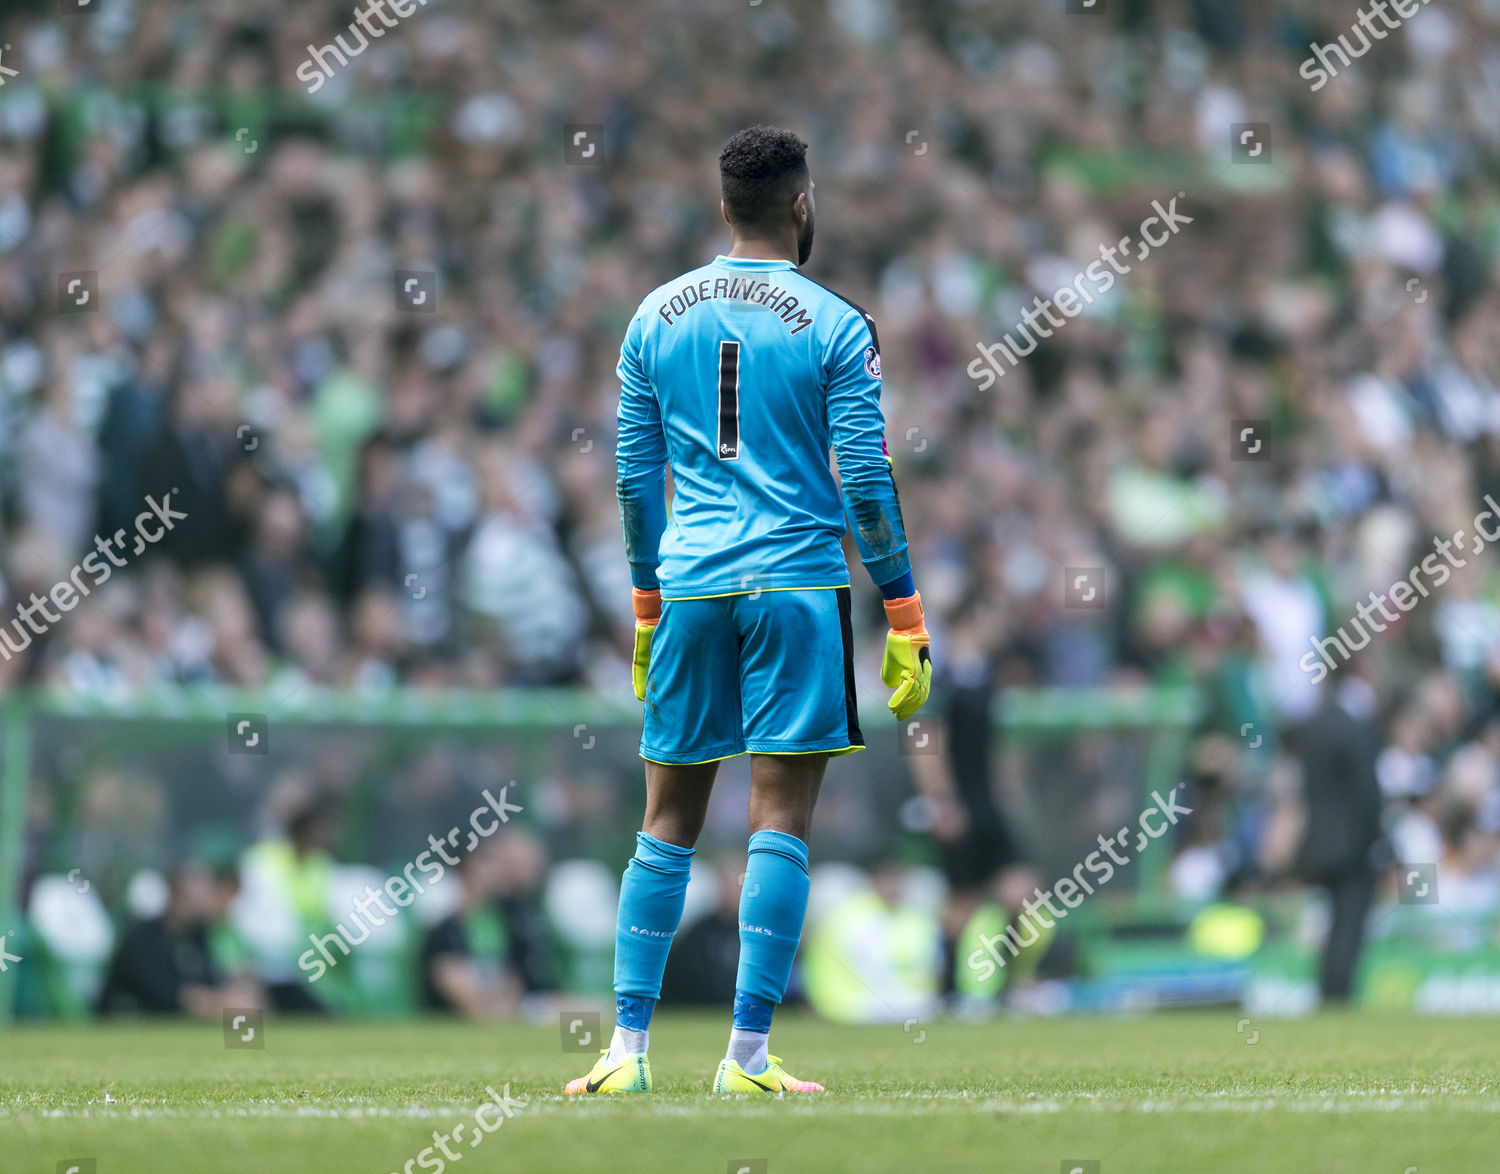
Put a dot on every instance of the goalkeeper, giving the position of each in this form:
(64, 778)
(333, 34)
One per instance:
(741, 375)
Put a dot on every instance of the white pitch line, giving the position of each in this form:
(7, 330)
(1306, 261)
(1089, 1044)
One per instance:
(905, 1105)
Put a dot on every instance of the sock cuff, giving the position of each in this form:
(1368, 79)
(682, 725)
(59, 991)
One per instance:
(668, 857)
(752, 1013)
(780, 844)
(633, 1012)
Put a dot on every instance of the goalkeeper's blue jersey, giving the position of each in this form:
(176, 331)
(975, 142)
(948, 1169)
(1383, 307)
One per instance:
(742, 375)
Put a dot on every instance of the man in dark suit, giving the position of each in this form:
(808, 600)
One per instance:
(1336, 747)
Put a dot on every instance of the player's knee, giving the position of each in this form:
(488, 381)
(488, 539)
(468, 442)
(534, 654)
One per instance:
(672, 827)
(782, 812)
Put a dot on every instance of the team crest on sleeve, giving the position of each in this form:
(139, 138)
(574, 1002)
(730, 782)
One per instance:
(872, 362)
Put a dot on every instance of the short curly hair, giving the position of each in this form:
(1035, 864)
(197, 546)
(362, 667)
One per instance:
(761, 169)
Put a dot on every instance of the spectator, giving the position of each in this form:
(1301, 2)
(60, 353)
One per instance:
(288, 879)
(496, 948)
(875, 957)
(165, 965)
(1336, 748)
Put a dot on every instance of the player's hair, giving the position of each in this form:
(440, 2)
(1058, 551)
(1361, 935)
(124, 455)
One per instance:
(762, 169)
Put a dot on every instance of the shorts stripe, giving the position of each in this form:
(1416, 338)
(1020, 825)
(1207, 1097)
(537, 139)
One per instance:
(851, 703)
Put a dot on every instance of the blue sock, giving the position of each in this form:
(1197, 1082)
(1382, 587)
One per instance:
(651, 895)
(633, 1012)
(772, 906)
(751, 1013)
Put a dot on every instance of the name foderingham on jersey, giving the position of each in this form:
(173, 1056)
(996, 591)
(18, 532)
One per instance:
(755, 292)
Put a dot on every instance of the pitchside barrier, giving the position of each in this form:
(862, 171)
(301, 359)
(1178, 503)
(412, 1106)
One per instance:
(99, 794)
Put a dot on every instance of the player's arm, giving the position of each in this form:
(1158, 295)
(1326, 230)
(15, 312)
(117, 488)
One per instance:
(641, 487)
(857, 428)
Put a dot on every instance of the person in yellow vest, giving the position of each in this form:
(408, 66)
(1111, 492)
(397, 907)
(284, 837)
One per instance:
(981, 969)
(875, 958)
(284, 902)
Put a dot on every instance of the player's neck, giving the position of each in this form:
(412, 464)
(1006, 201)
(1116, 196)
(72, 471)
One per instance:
(764, 250)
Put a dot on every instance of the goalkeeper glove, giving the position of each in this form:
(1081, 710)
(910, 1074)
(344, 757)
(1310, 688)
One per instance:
(907, 665)
(647, 608)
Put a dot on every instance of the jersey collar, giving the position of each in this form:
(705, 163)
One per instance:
(771, 263)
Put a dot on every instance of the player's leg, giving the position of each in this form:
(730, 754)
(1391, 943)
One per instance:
(798, 698)
(783, 791)
(691, 721)
(652, 893)
(651, 898)
(773, 903)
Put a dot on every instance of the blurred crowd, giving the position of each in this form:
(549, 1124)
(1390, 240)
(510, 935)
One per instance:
(379, 491)
(290, 925)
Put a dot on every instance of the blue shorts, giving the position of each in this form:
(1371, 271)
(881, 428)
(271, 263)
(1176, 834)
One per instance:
(770, 672)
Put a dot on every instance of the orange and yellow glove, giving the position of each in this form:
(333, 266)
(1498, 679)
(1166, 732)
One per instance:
(907, 664)
(647, 608)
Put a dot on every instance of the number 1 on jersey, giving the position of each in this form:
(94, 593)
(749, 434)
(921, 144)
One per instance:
(729, 401)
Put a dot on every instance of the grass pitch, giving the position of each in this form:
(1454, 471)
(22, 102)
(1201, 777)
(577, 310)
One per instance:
(1336, 1094)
